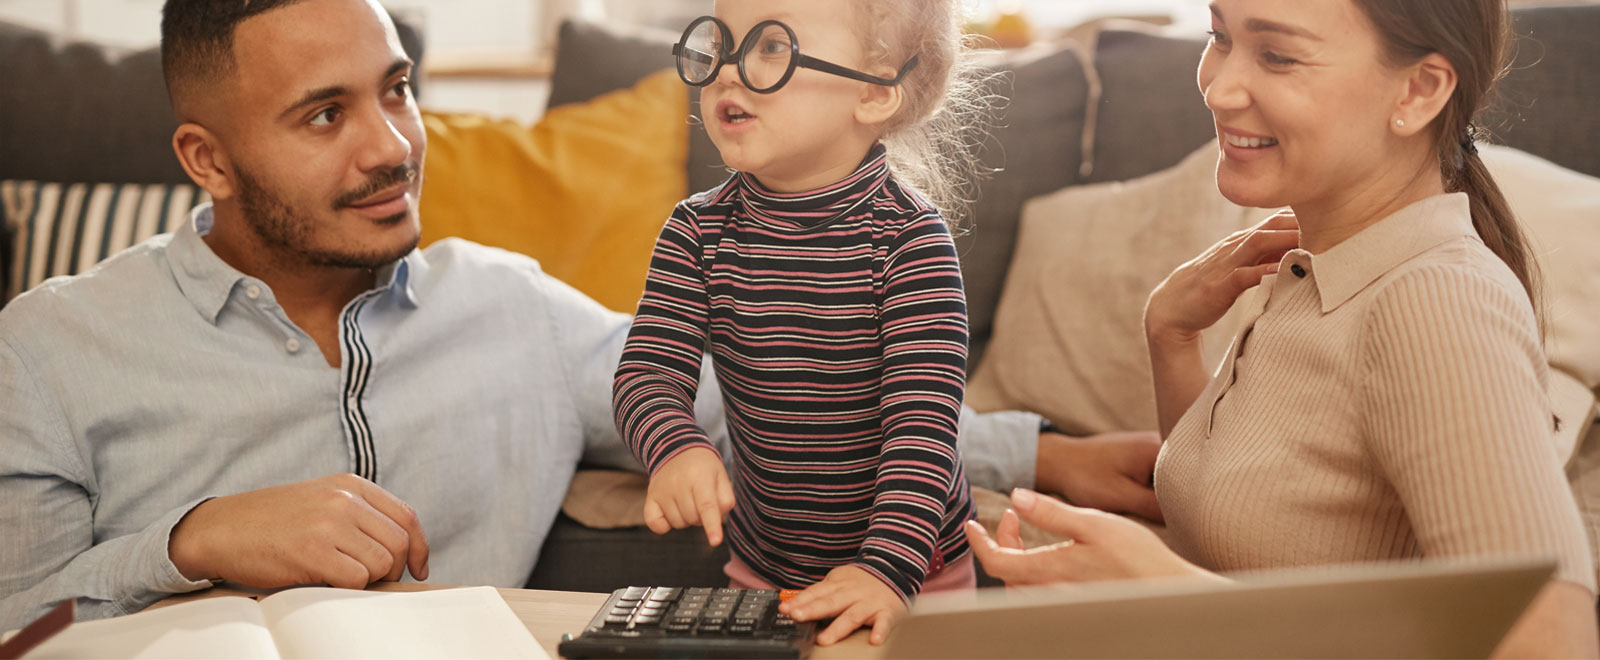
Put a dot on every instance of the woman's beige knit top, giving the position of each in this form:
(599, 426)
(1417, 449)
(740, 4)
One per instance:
(1385, 400)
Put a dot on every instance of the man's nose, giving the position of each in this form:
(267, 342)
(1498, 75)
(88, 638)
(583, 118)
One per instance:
(386, 147)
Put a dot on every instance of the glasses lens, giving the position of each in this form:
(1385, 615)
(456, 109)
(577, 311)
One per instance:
(767, 60)
(697, 57)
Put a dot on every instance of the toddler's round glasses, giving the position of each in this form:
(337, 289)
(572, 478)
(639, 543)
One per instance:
(767, 57)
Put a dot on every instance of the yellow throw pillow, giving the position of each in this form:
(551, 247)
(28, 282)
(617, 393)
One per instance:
(585, 190)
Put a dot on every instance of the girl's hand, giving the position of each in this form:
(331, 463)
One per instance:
(855, 598)
(1199, 292)
(1103, 546)
(691, 489)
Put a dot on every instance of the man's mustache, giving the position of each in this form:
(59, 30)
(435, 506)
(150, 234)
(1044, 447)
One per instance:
(401, 173)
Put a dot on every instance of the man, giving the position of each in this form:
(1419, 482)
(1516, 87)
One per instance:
(179, 415)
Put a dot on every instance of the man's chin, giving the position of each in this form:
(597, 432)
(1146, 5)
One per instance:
(376, 256)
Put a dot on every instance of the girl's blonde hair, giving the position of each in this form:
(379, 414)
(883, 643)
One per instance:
(933, 141)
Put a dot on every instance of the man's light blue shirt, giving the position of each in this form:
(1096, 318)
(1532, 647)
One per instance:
(470, 384)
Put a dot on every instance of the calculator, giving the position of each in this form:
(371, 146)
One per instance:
(701, 622)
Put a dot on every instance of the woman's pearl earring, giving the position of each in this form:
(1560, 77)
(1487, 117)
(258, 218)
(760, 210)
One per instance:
(1400, 122)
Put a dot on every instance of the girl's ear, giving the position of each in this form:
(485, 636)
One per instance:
(879, 104)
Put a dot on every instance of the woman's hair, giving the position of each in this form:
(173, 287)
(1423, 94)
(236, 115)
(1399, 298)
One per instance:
(946, 109)
(1475, 36)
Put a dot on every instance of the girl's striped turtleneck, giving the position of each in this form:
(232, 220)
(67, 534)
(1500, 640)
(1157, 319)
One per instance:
(838, 331)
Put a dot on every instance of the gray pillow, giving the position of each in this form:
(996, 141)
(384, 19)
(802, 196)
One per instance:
(1546, 104)
(86, 112)
(83, 112)
(592, 59)
(1151, 112)
(1036, 145)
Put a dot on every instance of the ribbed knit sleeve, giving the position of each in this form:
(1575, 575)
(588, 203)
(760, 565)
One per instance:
(653, 395)
(924, 333)
(1456, 413)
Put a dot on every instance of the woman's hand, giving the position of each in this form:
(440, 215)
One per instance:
(691, 489)
(1103, 546)
(1199, 292)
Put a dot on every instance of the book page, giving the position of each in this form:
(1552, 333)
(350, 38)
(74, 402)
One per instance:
(455, 623)
(208, 628)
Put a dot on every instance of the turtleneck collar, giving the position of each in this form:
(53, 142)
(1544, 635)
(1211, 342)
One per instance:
(812, 209)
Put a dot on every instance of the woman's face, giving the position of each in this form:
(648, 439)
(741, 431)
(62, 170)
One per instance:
(1302, 99)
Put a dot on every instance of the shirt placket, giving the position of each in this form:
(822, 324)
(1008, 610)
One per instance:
(355, 374)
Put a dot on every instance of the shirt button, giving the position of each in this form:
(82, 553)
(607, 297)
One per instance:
(292, 345)
(252, 292)
(1297, 270)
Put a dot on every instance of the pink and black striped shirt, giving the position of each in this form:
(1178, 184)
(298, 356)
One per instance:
(838, 332)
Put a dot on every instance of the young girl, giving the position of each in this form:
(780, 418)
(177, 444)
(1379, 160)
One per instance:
(828, 290)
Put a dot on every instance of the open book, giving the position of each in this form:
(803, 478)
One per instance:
(310, 622)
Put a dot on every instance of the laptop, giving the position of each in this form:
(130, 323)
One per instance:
(1421, 609)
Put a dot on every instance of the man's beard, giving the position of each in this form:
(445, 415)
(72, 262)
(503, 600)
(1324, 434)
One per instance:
(286, 231)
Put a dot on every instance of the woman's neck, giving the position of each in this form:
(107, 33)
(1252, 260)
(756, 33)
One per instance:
(1327, 222)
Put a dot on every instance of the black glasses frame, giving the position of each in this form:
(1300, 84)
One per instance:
(717, 60)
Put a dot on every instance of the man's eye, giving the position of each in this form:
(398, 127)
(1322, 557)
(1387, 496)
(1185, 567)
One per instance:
(325, 118)
(402, 89)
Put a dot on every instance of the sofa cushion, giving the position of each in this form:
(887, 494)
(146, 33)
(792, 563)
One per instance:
(85, 112)
(1546, 103)
(1559, 209)
(63, 229)
(1069, 337)
(592, 59)
(585, 190)
(1069, 340)
(1034, 147)
(1151, 113)
(577, 558)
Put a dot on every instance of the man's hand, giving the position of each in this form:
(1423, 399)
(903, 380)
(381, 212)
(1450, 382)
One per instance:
(1110, 471)
(691, 489)
(341, 530)
(855, 598)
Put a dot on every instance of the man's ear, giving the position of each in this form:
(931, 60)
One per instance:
(879, 104)
(204, 159)
(1428, 88)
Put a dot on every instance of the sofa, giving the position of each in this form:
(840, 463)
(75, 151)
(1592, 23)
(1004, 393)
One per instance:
(1115, 107)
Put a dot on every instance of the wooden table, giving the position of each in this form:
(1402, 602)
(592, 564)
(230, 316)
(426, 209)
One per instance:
(547, 614)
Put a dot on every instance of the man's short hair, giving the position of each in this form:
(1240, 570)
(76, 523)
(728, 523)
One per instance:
(197, 40)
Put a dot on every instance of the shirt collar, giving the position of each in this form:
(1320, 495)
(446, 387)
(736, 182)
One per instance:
(403, 276)
(1345, 269)
(815, 208)
(203, 277)
(208, 281)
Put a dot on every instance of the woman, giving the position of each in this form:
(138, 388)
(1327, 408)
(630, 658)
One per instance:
(1388, 399)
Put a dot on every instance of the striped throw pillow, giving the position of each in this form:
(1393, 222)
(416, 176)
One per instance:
(64, 229)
